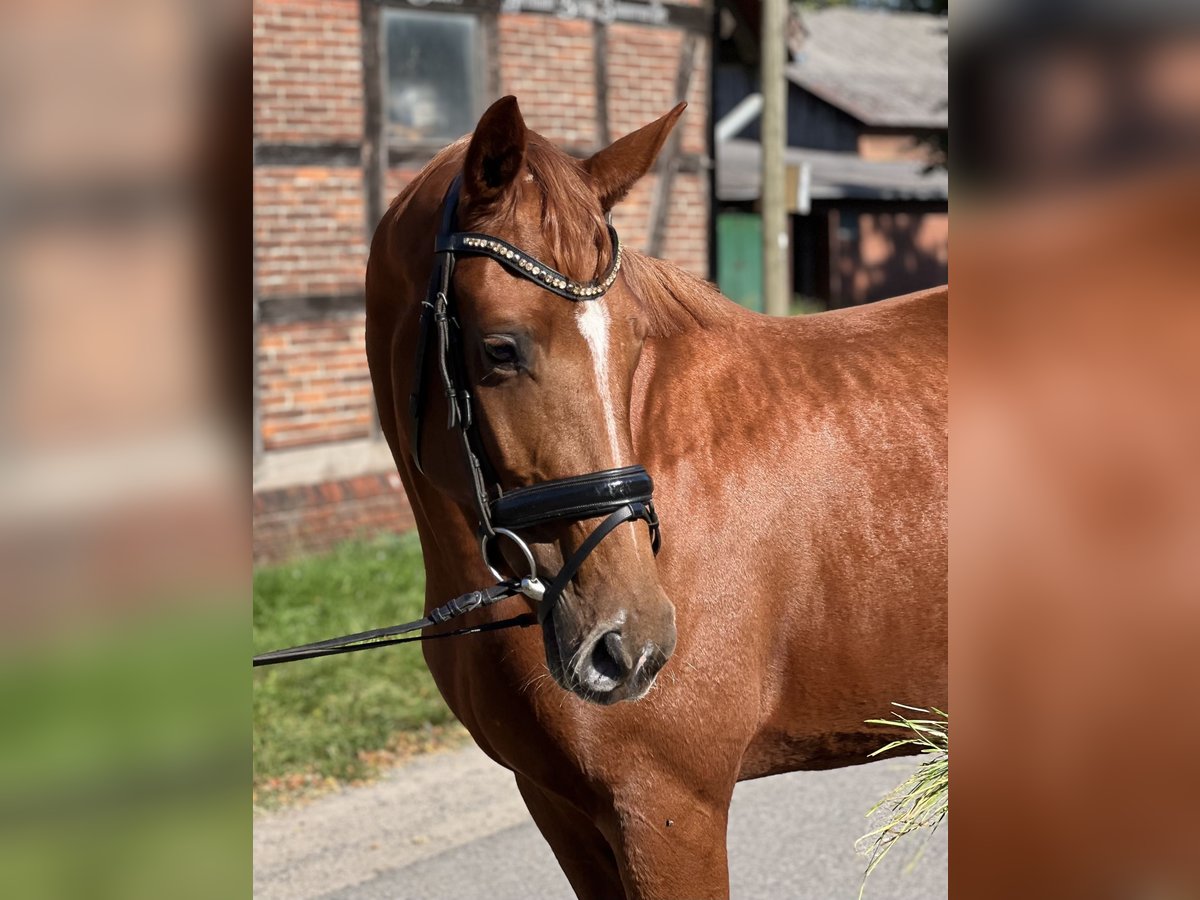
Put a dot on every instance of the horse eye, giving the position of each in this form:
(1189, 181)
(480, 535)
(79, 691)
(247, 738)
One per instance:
(502, 351)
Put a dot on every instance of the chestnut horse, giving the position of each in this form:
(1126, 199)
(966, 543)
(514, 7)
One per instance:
(799, 468)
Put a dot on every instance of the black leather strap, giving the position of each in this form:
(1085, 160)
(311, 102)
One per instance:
(434, 310)
(472, 243)
(572, 499)
(522, 621)
(416, 399)
(364, 640)
(626, 513)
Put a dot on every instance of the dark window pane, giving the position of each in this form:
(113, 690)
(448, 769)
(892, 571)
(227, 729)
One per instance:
(432, 75)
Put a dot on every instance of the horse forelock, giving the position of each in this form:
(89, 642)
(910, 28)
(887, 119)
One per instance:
(568, 218)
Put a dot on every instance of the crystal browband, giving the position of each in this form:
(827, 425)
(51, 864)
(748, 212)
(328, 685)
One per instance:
(466, 242)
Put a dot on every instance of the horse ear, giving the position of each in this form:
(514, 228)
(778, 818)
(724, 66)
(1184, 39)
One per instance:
(496, 152)
(617, 167)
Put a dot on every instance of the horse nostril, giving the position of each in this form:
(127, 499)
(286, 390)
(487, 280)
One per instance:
(609, 657)
(654, 661)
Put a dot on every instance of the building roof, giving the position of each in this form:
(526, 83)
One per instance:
(833, 176)
(887, 69)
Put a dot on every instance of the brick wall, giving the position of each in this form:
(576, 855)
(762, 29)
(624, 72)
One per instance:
(314, 386)
(311, 238)
(308, 231)
(307, 70)
(293, 521)
(686, 242)
(643, 63)
(549, 65)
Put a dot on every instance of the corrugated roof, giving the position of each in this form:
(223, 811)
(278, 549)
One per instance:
(886, 69)
(833, 175)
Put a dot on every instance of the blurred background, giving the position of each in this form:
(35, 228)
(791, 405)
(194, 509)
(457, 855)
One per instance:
(124, 449)
(1075, 505)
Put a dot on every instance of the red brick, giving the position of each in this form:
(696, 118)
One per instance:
(288, 523)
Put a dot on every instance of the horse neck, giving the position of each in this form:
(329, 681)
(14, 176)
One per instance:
(721, 366)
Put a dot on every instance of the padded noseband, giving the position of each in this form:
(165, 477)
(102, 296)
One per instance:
(572, 499)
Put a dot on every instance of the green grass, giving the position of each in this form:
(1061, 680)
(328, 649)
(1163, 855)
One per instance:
(123, 754)
(319, 721)
(921, 801)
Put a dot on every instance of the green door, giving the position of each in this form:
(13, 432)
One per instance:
(739, 258)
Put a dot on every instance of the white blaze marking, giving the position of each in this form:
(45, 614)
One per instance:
(593, 325)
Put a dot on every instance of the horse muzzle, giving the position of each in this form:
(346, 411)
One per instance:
(614, 661)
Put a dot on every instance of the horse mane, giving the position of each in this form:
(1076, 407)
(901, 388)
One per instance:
(575, 234)
(673, 299)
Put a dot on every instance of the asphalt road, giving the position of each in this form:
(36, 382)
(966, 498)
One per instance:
(452, 825)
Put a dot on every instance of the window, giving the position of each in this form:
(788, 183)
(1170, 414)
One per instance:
(433, 76)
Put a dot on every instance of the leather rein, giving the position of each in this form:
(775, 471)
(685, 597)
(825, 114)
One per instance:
(620, 495)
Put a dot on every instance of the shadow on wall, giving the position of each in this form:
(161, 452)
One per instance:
(885, 254)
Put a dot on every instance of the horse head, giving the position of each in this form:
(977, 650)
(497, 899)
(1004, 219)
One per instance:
(549, 362)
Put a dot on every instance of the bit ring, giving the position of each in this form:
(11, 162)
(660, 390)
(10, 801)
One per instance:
(521, 545)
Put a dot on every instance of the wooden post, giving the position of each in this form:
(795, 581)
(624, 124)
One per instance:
(374, 141)
(668, 159)
(600, 63)
(774, 140)
(256, 390)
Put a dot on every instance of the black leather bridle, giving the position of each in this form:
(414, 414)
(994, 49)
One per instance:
(618, 495)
